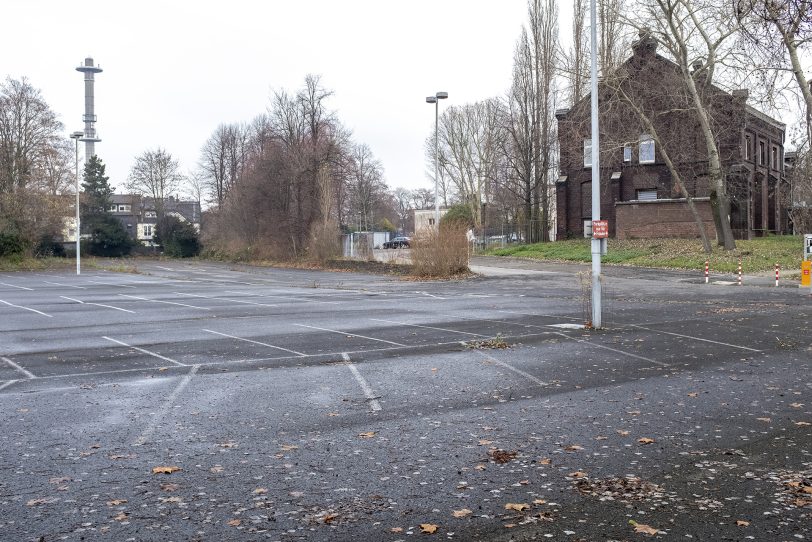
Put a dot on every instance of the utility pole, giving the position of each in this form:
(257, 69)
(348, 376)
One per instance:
(597, 244)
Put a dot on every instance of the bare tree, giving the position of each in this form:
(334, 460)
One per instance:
(366, 185)
(29, 131)
(423, 198)
(698, 36)
(403, 206)
(155, 174)
(779, 32)
(223, 158)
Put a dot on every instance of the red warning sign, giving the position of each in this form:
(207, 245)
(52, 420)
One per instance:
(600, 229)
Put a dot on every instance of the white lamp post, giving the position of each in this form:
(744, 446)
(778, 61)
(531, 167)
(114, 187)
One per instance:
(436, 101)
(76, 136)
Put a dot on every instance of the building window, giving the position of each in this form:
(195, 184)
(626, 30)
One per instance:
(646, 195)
(587, 153)
(747, 144)
(627, 153)
(124, 208)
(774, 163)
(113, 208)
(646, 149)
(431, 222)
(147, 230)
(762, 153)
(150, 214)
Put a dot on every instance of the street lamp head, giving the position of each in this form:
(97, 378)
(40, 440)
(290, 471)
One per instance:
(442, 95)
(431, 100)
(77, 135)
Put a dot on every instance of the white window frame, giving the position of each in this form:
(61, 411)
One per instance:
(627, 154)
(646, 154)
(588, 153)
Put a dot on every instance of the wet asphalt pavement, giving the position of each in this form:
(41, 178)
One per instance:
(285, 404)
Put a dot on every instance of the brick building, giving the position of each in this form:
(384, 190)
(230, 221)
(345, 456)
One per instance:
(638, 195)
(139, 217)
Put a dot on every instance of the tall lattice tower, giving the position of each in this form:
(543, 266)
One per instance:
(90, 139)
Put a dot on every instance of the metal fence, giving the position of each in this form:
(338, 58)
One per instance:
(508, 234)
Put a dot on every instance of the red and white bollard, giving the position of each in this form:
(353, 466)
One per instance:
(740, 271)
(777, 269)
(707, 268)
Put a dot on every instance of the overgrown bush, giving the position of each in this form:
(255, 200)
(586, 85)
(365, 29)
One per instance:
(48, 246)
(177, 238)
(11, 244)
(458, 213)
(441, 254)
(108, 237)
(325, 242)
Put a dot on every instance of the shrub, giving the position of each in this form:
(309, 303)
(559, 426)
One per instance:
(325, 242)
(177, 238)
(441, 254)
(49, 246)
(11, 244)
(108, 237)
(458, 213)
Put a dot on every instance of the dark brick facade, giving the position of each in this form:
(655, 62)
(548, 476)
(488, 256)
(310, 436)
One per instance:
(750, 144)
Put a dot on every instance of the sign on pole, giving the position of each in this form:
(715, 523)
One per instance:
(600, 229)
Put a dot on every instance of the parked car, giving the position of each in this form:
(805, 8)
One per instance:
(397, 242)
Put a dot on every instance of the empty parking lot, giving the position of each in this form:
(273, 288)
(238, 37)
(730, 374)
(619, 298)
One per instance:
(316, 405)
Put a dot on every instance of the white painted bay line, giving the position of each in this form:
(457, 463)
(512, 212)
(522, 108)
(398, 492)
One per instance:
(165, 302)
(97, 304)
(432, 295)
(226, 299)
(541, 315)
(160, 416)
(65, 285)
(144, 351)
(697, 338)
(629, 354)
(19, 287)
(6, 384)
(23, 370)
(512, 368)
(430, 327)
(25, 308)
(304, 299)
(111, 284)
(254, 342)
(371, 397)
(350, 334)
(164, 268)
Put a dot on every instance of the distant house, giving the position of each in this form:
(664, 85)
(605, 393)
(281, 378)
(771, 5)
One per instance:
(424, 219)
(639, 198)
(139, 216)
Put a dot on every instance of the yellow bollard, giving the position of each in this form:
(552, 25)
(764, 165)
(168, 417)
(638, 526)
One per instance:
(806, 273)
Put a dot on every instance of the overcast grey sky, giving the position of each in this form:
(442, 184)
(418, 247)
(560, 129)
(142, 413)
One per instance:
(174, 70)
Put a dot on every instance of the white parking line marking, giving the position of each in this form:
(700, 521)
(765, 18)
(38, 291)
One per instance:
(165, 302)
(153, 354)
(349, 334)
(24, 371)
(164, 268)
(254, 342)
(696, 338)
(371, 397)
(97, 304)
(111, 284)
(226, 299)
(5, 385)
(20, 287)
(65, 285)
(430, 327)
(512, 368)
(654, 361)
(306, 300)
(543, 315)
(25, 308)
(160, 415)
(432, 295)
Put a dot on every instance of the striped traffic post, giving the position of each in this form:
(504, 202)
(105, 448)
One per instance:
(707, 268)
(777, 269)
(740, 271)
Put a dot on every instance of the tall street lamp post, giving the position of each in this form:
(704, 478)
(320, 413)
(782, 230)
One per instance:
(76, 136)
(436, 101)
(598, 244)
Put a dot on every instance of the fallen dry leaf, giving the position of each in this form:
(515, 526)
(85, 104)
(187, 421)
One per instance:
(693, 394)
(601, 437)
(577, 474)
(484, 442)
(645, 529)
(461, 513)
(742, 523)
(396, 530)
(509, 525)
(502, 456)
(288, 447)
(165, 470)
(171, 499)
(332, 414)
(260, 491)
(524, 482)
(37, 502)
(216, 469)
(545, 461)
(234, 522)
(116, 502)
(121, 516)
(428, 528)
(368, 434)
(329, 518)
(539, 501)
(170, 487)
(518, 506)
(796, 405)
(480, 467)
(118, 456)
(573, 448)
(645, 440)
(622, 433)
(803, 424)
